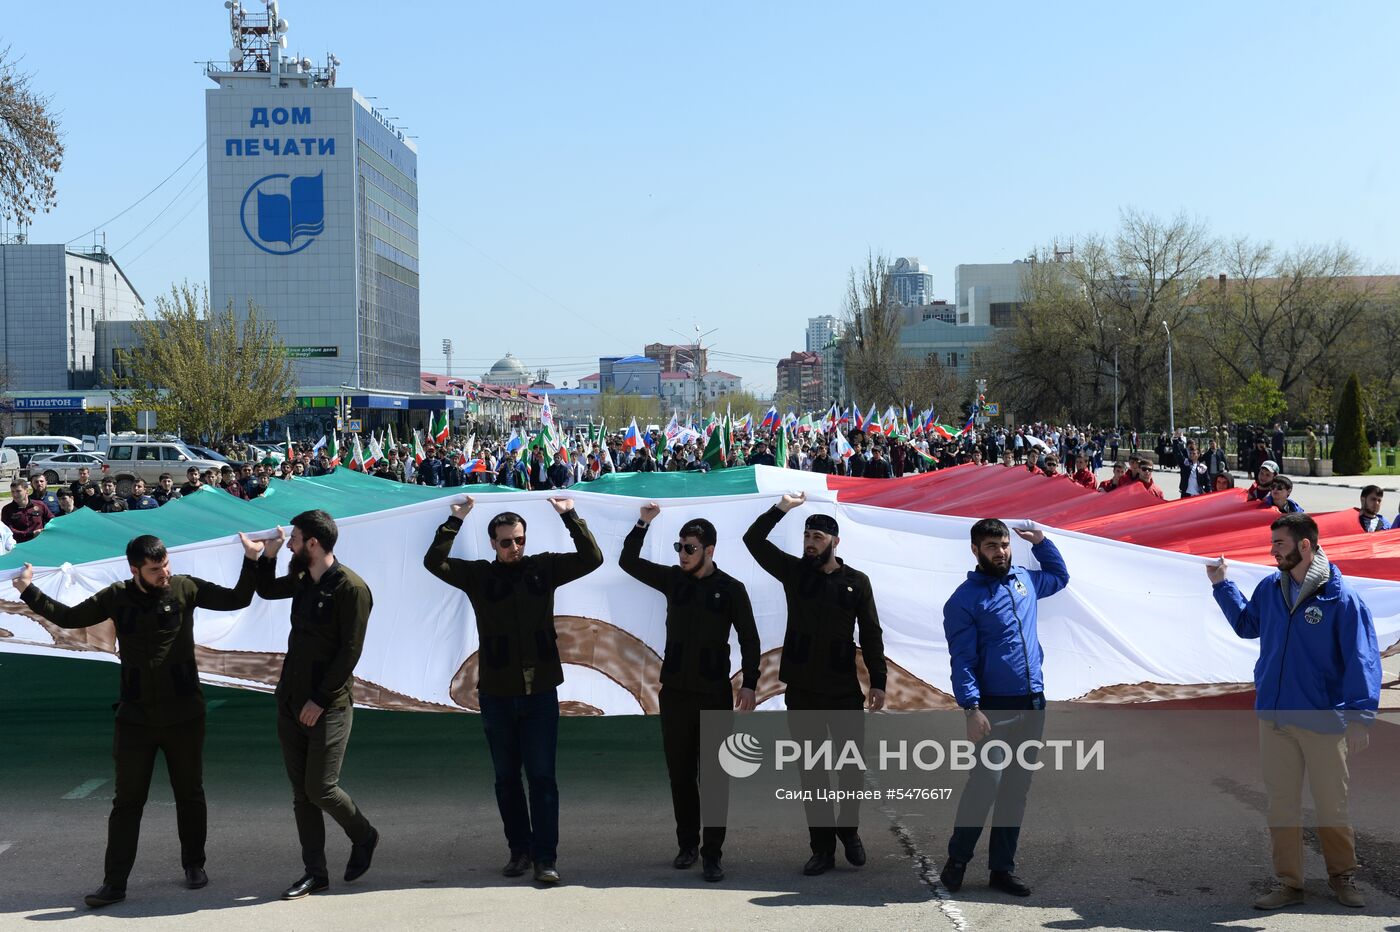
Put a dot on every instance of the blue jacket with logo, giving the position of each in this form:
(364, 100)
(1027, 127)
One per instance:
(990, 624)
(1321, 656)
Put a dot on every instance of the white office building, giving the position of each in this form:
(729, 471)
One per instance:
(313, 211)
(52, 300)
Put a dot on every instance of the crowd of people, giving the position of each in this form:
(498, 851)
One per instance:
(1072, 453)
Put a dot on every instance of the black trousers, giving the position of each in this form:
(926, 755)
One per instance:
(825, 821)
(680, 739)
(134, 750)
(313, 757)
(1015, 720)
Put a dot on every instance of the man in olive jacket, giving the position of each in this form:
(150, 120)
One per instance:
(161, 706)
(703, 604)
(315, 705)
(827, 601)
(519, 668)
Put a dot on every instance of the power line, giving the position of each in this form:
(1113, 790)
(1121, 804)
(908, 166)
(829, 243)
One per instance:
(197, 150)
(168, 230)
(179, 194)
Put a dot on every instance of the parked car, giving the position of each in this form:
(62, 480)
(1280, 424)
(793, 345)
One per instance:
(63, 467)
(208, 454)
(129, 460)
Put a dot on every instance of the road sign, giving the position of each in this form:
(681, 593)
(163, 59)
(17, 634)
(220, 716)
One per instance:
(354, 427)
(993, 409)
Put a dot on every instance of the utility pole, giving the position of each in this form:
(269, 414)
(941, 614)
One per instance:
(1171, 397)
(697, 363)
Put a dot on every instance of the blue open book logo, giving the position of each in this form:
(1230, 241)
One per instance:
(287, 213)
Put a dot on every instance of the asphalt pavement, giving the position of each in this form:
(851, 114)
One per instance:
(425, 780)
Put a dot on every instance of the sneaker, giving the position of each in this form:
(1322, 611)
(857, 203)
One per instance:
(546, 873)
(686, 858)
(952, 875)
(819, 863)
(1280, 896)
(1344, 885)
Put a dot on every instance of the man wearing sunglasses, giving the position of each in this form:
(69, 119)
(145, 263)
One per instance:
(826, 602)
(519, 668)
(702, 604)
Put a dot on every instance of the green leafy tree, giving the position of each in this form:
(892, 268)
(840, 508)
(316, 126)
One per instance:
(1351, 456)
(1258, 401)
(206, 373)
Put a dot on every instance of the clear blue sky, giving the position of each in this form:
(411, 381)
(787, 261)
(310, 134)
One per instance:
(595, 176)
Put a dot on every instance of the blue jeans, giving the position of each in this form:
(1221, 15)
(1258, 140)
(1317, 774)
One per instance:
(1006, 789)
(523, 731)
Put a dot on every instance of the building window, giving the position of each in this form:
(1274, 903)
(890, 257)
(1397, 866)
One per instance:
(952, 360)
(1003, 313)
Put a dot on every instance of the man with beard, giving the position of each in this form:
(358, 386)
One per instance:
(826, 602)
(990, 624)
(192, 482)
(1315, 699)
(702, 604)
(1370, 511)
(161, 707)
(315, 709)
(519, 668)
(108, 503)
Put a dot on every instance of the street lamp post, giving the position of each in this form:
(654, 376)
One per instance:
(1115, 389)
(1171, 397)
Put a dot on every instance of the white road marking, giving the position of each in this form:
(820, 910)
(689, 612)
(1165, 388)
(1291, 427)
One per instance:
(83, 789)
(6, 846)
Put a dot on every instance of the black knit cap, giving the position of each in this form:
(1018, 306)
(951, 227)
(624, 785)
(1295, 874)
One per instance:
(824, 523)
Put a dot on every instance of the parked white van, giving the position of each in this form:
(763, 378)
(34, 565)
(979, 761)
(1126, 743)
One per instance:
(28, 446)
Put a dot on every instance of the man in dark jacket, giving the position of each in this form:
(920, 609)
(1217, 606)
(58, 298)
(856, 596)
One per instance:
(826, 602)
(878, 467)
(519, 667)
(161, 706)
(703, 604)
(561, 475)
(330, 613)
(1315, 700)
(108, 502)
(994, 649)
(761, 456)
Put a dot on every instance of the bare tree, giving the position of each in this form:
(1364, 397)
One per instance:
(31, 148)
(871, 340)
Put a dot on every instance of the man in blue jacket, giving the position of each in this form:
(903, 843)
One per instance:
(1317, 686)
(990, 624)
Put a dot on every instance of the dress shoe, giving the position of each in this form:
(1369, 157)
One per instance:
(360, 856)
(713, 872)
(196, 878)
(1007, 882)
(952, 875)
(546, 873)
(518, 865)
(686, 858)
(305, 886)
(819, 863)
(855, 850)
(106, 895)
